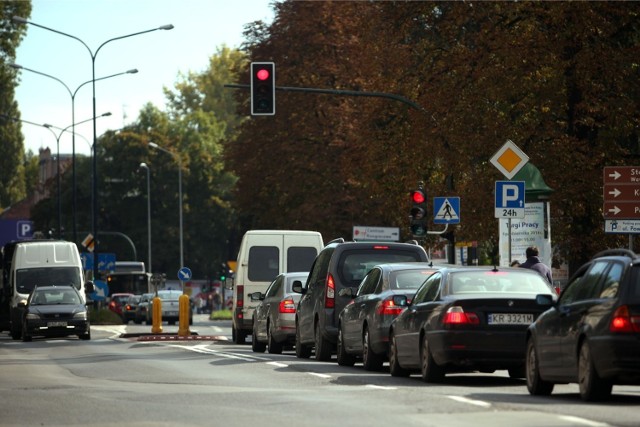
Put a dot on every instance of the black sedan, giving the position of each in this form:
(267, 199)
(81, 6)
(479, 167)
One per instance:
(465, 319)
(55, 311)
(363, 330)
(591, 336)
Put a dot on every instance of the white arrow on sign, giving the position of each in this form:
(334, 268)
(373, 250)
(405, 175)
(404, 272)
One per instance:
(615, 210)
(615, 175)
(615, 192)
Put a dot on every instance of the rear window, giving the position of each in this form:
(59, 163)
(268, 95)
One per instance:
(300, 258)
(354, 264)
(263, 263)
(408, 279)
(508, 282)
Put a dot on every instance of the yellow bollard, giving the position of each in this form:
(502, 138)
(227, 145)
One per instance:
(156, 314)
(183, 328)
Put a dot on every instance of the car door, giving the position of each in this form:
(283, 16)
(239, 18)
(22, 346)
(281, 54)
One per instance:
(356, 311)
(408, 324)
(271, 302)
(313, 287)
(574, 310)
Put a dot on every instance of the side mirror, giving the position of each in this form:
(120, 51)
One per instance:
(296, 287)
(89, 287)
(544, 299)
(256, 296)
(22, 304)
(347, 292)
(228, 284)
(400, 300)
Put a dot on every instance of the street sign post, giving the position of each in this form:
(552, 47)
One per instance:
(446, 210)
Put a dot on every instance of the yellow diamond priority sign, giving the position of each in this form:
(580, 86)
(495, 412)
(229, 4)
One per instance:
(509, 159)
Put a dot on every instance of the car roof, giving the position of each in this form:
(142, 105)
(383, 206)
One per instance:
(53, 287)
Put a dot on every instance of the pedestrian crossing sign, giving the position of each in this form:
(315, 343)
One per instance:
(446, 210)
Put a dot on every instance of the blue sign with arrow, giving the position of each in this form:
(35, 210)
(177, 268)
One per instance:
(184, 274)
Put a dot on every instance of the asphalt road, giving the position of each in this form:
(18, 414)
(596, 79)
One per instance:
(112, 380)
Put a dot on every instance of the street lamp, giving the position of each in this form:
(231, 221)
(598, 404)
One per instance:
(73, 149)
(95, 137)
(175, 156)
(57, 137)
(145, 166)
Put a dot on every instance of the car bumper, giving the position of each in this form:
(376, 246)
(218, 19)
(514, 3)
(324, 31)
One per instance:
(617, 357)
(47, 329)
(490, 349)
(285, 328)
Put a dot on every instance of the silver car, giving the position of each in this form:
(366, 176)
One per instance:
(274, 319)
(170, 307)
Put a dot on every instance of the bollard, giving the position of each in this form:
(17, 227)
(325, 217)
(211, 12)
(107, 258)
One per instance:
(156, 314)
(183, 328)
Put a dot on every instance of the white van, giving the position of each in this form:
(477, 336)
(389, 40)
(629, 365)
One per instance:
(262, 256)
(40, 262)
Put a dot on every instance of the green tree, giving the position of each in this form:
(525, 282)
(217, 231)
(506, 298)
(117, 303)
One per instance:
(12, 167)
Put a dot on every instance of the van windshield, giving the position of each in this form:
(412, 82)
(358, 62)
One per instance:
(28, 278)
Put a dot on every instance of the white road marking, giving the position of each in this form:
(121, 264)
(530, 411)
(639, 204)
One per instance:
(278, 364)
(470, 401)
(315, 374)
(583, 421)
(380, 387)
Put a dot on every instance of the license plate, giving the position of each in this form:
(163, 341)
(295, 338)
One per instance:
(510, 319)
(172, 313)
(56, 324)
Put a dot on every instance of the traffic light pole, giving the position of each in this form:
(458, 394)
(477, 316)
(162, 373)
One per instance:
(339, 92)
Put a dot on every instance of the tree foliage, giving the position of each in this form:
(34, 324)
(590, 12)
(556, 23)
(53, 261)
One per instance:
(557, 78)
(12, 164)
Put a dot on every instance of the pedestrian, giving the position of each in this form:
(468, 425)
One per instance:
(533, 262)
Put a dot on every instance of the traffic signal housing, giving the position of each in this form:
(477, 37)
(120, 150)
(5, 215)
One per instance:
(418, 213)
(263, 88)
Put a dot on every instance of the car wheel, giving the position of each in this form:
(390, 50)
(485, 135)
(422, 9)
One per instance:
(344, 358)
(323, 347)
(592, 387)
(431, 372)
(16, 333)
(257, 347)
(273, 346)
(535, 384)
(370, 360)
(303, 351)
(394, 366)
(238, 337)
(25, 335)
(85, 337)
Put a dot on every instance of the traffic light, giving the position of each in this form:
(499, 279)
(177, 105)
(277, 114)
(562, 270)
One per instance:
(263, 88)
(418, 212)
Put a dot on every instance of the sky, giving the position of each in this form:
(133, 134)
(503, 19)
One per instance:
(201, 27)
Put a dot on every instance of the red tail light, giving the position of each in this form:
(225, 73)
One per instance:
(330, 297)
(240, 297)
(558, 290)
(287, 306)
(387, 307)
(456, 316)
(127, 307)
(622, 321)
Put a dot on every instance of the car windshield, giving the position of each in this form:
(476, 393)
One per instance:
(408, 279)
(47, 297)
(169, 295)
(508, 282)
(28, 278)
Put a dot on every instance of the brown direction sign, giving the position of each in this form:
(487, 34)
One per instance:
(621, 210)
(621, 192)
(621, 175)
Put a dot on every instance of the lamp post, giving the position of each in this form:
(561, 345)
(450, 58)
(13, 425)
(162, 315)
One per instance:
(48, 126)
(145, 166)
(73, 149)
(175, 156)
(95, 137)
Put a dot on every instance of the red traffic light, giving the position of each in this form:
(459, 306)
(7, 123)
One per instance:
(417, 196)
(262, 74)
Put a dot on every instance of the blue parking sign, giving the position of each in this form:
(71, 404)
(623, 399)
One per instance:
(509, 199)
